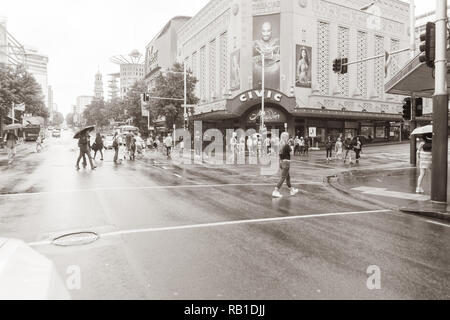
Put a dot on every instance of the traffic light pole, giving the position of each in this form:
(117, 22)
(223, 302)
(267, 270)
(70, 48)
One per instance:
(413, 142)
(440, 109)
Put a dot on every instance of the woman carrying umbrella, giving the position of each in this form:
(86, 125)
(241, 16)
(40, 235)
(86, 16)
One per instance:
(98, 146)
(425, 157)
(83, 144)
(11, 142)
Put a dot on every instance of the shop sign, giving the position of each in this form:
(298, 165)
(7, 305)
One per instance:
(271, 115)
(257, 95)
(312, 132)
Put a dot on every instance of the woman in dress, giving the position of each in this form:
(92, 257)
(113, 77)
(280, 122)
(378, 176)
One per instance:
(303, 68)
(425, 157)
(339, 149)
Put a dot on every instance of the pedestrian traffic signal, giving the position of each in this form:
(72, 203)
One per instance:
(419, 107)
(407, 109)
(344, 67)
(428, 46)
(337, 65)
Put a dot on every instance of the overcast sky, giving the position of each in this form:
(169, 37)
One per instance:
(80, 36)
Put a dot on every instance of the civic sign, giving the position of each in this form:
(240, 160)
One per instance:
(257, 95)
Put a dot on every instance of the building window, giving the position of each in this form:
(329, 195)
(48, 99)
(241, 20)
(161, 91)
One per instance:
(379, 66)
(394, 66)
(194, 65)
(212, 68)
(203, 73)
(343, 52)
(323, 74)
(223, 62)
(362, 67)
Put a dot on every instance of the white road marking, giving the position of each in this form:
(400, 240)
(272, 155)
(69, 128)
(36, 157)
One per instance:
(439, 224)
(193, 186)
(177, 175)
(391, 194)
(222, 224)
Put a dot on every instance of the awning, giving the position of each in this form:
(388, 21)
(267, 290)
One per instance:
(416, 77)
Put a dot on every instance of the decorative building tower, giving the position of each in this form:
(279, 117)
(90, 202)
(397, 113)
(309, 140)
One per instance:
(113, 86)
(98, 91)
(131, 70)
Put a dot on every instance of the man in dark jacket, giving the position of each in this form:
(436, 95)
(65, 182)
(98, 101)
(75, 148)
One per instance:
(349, 147)
(83, 144)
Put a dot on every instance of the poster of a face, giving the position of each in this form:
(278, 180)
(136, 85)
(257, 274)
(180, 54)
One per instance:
(235, 72)
(266, 38)
(303, 70)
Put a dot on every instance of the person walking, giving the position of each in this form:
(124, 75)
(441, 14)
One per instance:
(285, 165)
(339, 149)
(301, 145)
(181, 144)
(11, 142)
(349, 148)
(425, 158)
(83, 144)
(297, 146)
(233, 147)
(132, 148)
(329, 148)
(358, 149)
(116, 145)
(98, 146)
(168, 144)
(39, 142)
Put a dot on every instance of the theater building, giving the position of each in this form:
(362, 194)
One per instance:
(301, 38)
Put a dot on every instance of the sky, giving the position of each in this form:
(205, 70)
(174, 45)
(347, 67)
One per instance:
(80, 36)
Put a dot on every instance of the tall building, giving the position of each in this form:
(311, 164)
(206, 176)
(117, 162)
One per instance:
(36, 64)
(131, 70)
(224, 44)
(12, 52)
(113, 87)
(161, 52)
(98, 90)
(82, 102)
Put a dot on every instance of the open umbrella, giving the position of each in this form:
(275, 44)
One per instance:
(422, 130)
(13, 126)
(82, 131)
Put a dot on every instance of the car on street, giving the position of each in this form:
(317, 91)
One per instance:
(56, 133)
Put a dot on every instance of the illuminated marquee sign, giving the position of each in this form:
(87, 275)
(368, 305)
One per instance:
(257, 95)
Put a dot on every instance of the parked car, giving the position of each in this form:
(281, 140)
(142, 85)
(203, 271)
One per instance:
(108, 141)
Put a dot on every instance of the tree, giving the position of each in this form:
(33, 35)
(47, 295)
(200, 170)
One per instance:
(69, 119)
(17, 86)
(132, 105)
(171, 85)
(96, 113)
(58, 119)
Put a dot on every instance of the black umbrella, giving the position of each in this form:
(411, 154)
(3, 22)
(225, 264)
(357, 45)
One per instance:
(83, 131)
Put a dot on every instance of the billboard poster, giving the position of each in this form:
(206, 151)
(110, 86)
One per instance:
(235, 72)
(303, 72)
(266, 38)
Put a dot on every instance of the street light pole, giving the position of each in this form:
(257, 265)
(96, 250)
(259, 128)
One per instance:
(263, 72)
(412, 27)
(185, 96)
(440, 109)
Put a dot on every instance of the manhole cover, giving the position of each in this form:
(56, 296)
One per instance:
(76, 239)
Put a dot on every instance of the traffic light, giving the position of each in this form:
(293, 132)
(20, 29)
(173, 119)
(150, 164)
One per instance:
(337, 65)
(419, 107)
(428, 46)
(145, 97)
(344, 67)
(407, 109)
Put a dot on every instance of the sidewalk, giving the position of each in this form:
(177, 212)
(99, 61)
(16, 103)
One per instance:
(394, 189)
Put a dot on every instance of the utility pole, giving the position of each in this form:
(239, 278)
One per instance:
(412, 27)
(413, 141)
(263, 77)
(185, 96)
(13, 113)
(440, 109)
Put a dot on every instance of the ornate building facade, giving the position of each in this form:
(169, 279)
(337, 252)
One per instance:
(224, 45)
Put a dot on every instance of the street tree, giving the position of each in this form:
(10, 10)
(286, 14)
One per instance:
(96, 113)
(132, 105)
(171, 85)
(58, 119)
(69, 119)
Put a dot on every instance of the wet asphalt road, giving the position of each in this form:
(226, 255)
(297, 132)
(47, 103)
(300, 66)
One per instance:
(214, 232)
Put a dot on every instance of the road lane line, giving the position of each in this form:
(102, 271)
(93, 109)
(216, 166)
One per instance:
(194, 186)
(439, 224)
(239, 222)
(220, 224)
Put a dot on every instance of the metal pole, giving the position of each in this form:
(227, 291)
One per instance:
(440, 109)
(413, 142)
(185, 96)
(263, 60)
(13, 112)
(412, 27)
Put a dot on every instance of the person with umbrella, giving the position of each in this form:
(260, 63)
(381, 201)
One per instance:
(98, 146)
(83, 144)
(11, 142)
(425, 157)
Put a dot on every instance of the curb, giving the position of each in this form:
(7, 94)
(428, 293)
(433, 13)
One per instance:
(425, 213)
